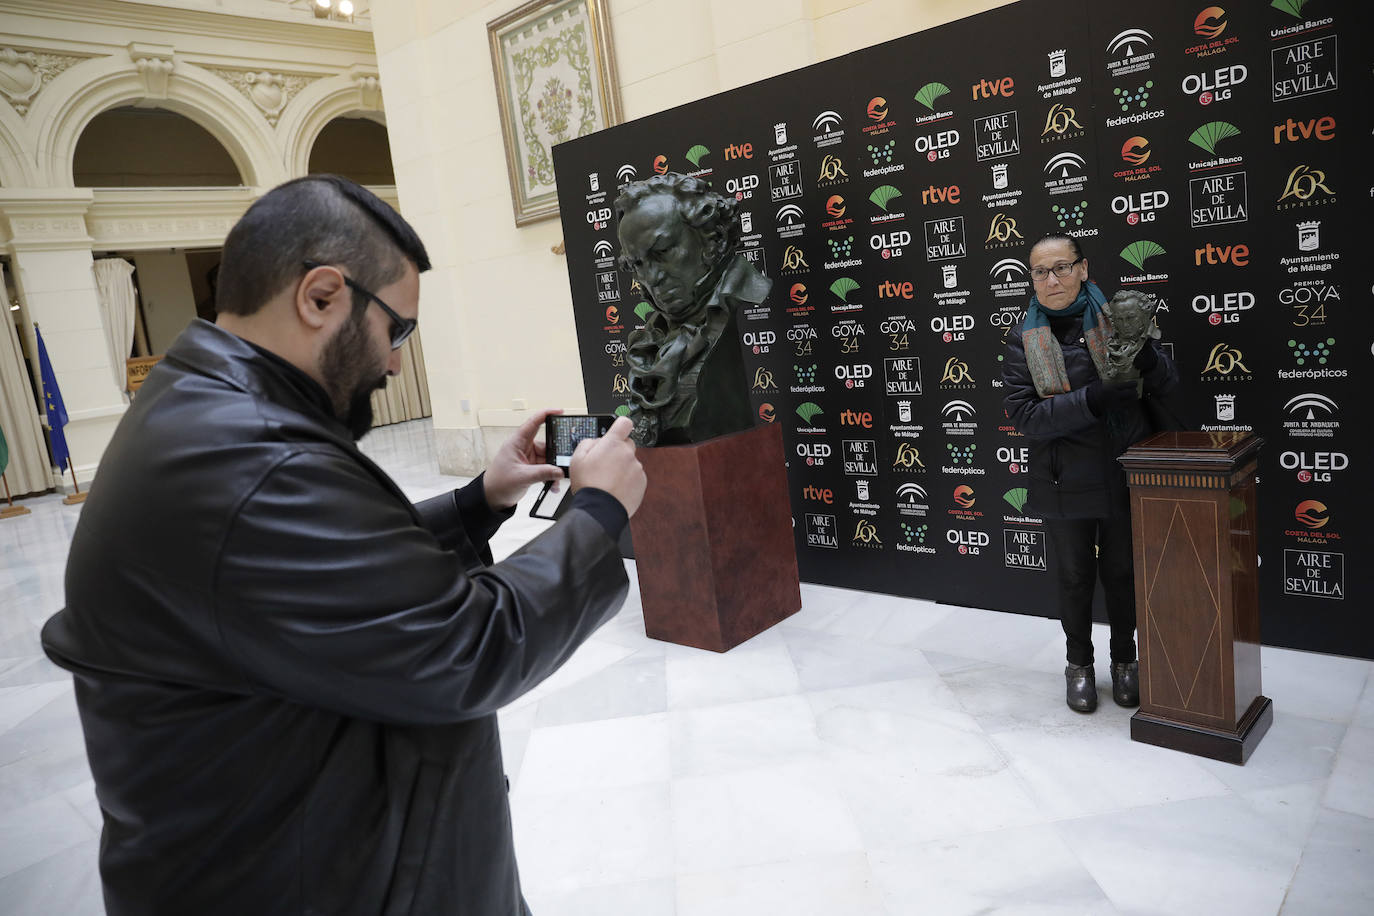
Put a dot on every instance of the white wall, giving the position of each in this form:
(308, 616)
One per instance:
(169, 303)
(496, 309)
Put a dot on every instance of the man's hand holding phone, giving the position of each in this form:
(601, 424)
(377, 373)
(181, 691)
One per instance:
(609, 464)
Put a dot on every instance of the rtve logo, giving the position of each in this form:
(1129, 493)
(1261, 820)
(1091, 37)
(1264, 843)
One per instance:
(946, 195)
(818, 494)
(860, 418)
(988, 89)
(889, 289)
(1291, 131)
(1236, 255)
(739, 151)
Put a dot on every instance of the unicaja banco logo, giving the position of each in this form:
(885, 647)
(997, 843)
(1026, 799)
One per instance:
(884, 195)
(842, 287)
(1210, 134)
(928, 93)
(696, 154)
(1138, 252)
(1291, 7)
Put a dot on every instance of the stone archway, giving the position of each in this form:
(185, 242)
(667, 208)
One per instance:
(320, 103)
(188, 90)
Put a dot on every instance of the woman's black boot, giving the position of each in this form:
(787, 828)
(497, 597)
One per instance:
(1126, 683)
(1082, 687)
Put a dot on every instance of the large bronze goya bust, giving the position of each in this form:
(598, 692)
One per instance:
(678, 239)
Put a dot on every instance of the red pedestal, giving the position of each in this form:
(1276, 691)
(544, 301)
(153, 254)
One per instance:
(713, 540)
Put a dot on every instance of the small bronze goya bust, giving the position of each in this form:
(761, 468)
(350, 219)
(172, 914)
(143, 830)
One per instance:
(1132, 317)
(679, 240)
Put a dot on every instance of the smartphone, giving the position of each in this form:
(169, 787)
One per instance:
(562, 432)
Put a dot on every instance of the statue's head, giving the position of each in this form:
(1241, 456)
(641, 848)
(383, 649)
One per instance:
(1130, 312)
(673, 231)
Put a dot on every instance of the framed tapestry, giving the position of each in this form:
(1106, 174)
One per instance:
(555, 80)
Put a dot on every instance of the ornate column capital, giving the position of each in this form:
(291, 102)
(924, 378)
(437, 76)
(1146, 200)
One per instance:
(369, 83)
(45, 219)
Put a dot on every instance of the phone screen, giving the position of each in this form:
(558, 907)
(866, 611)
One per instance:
(563, 432)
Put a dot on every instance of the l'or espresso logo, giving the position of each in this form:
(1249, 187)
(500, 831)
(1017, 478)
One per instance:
(1305, 186)
(908, 459)
(794, 261)
(820, 531)
(1210, 27)
(996, 136)
(1002, 233)
(945, 239)
(764, 382)
(1217, 200)
(1061, 123)
(1136, 153)
(620, 386)
(1226, 363)
(1216, 85)
(956, 375)
(866, 535)
(1314, 574)
(832, 172)
(1304, 68)
(1308, 299)
(877, 112)
(1129, 52)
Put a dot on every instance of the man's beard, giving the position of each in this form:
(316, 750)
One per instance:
(348, 376)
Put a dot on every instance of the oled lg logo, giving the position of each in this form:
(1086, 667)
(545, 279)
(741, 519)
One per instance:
(1223, 308)
(855, 375)
(1314, 467)
(760, 341)
(890, 244)
(599, 217)
(951, 328)
(937, 145)
(1216, 86)
(970, 543)
(742, 187)
(1017, 460)
(1140, 208)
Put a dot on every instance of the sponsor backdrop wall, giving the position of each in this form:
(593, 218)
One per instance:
(1215, 156)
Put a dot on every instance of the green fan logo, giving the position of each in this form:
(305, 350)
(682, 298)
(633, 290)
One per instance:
(696, 154)
(843, 287)
(1016, 498)
(1137, 253)
(928, 93)
(1210, 134)
(808, 411)
(884, 195)
(1292, 7)
(644, 310)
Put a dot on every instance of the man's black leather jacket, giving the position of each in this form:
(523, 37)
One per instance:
(287, 673)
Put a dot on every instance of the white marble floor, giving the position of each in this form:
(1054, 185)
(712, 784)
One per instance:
(872, 755)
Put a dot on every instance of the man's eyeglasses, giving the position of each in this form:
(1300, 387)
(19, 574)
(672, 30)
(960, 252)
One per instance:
(1061, 270)
(401, 328)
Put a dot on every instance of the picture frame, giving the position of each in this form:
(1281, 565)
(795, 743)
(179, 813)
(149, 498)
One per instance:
(555, 80)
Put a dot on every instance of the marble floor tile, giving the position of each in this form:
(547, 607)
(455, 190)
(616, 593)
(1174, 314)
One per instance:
(1334, 877)
(1222, 856)
(760, 816)
(1022, 870)
(1073, 774)
(1351, 788)
(872, 754)
(811, 886)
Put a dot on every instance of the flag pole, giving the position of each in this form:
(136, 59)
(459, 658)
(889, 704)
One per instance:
(77, 497)
(11, 510)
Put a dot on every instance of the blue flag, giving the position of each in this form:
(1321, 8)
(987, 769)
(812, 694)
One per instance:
(52, 401)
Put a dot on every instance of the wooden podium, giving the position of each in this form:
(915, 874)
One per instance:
(1197, 599)
(713, 540)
